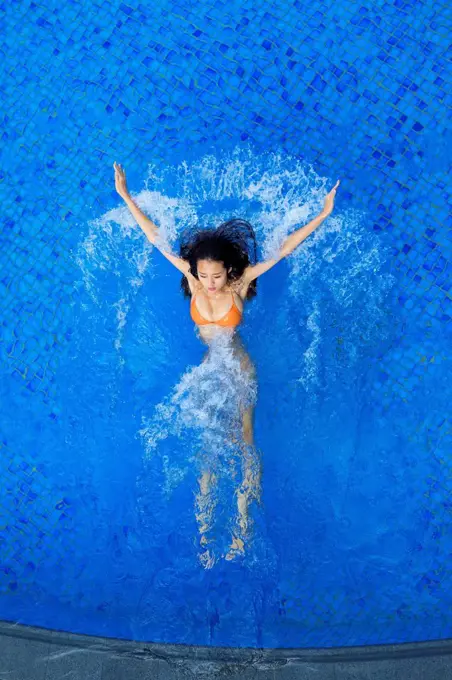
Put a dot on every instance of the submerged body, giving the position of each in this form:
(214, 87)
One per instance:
(218, 318)
(219, 276)
(220, 311)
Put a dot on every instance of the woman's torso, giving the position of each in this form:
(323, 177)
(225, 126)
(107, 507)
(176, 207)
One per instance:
(220, 318)
(206, 311)
(210, 320)
(215, 315)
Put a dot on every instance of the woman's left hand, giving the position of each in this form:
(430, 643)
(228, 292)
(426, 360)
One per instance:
(329, 200)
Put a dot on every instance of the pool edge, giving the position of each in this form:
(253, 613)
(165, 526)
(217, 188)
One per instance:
(18, 641)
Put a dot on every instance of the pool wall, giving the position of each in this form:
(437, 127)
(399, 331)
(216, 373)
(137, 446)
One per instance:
(41, 654)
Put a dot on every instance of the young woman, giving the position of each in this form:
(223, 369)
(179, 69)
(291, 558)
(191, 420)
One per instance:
(219, 277)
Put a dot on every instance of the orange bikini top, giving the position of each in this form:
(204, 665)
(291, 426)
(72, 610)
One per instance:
(231, 319)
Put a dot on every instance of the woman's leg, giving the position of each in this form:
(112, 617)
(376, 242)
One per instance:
(249, 489)
(248, 425)
(205, 504)
(251, 469)
(251, 480)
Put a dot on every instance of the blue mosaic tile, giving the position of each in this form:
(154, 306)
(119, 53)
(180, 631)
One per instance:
(358, 92)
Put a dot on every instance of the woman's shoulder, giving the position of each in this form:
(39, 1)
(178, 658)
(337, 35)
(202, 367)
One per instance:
(240, 286)
(194, 285)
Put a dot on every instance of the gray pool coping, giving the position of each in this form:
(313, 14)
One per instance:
(28, 652)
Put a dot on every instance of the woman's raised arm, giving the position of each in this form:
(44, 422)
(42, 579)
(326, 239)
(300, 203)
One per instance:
(150, 229)
(294, 240)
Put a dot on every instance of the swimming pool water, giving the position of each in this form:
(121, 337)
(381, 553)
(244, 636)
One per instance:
(219, 110)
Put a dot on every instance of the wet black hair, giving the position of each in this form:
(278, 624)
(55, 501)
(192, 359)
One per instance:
(233, 243)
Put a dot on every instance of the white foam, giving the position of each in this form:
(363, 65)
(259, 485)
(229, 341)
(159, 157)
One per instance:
(206, 403)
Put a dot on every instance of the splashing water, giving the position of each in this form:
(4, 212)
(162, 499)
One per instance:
(193, 425)
(209, 399)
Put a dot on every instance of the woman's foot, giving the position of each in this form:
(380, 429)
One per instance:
(207, 559)
(204, 537)
(237, 549)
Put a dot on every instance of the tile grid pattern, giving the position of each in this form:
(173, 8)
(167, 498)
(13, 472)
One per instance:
(86, 84)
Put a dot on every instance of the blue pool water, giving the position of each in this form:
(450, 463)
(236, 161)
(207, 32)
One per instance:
(220, 110)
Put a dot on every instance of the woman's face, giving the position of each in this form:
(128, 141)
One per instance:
(213, 275)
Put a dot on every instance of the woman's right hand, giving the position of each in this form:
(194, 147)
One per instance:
(120, 180)
(329, 200)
